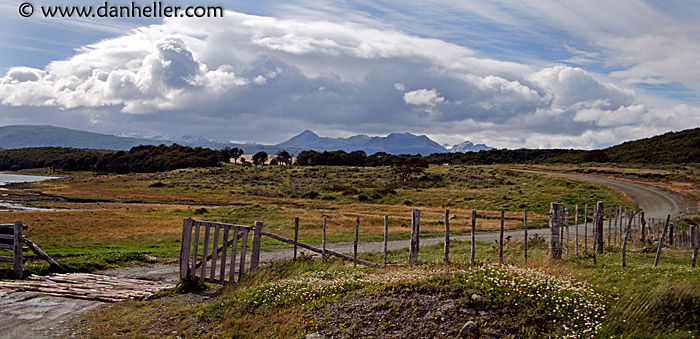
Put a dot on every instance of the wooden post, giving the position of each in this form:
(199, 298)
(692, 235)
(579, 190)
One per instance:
(224, 254)
(661, 241)
(354, 243)
(624, 244)
(255, 245)
(525, 225)
(447, 236)
(585, 229)
(195, 244)
(500, 241)
(554, 224)
(644, 223)
(205, 254)
(695, 234)
(576, 231)
(670, 234)
(615, 227)
(214, 252)
(185, 245)
(473, 251)
(566, 226)
(18, 256)
(386, 236)
(599, 226)
(296, 236)
(415, 237)
(610, 218)
(234, 248)
(323, 239)
(244, 246)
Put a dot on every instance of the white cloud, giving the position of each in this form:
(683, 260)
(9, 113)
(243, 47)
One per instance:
(262, 78)
(423, 97)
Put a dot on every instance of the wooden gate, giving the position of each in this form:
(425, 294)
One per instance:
(205, 257)
(11, 239)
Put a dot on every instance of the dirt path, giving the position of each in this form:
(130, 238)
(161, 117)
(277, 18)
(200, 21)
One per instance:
(31, 315)
(655, 202)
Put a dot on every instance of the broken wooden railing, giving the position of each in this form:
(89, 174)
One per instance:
(11, 239)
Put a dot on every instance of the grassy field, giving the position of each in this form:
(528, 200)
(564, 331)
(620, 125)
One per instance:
(140, 215)
(539, 298)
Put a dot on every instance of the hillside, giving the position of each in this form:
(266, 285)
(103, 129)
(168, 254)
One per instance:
(671, 147)
(21, 136)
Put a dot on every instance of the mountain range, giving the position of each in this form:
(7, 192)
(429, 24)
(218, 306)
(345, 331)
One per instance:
(16, 136)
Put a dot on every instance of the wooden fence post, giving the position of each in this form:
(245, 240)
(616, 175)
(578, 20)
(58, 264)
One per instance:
(473, 253)
(610, 219)
(447, 236)
(599, 226)
(296, 236)
(415, 237)
(585, 229)
(185, 245)
(255, 246)
(661, 241)
(354, 243)
(500, 241)
(323, 239)
(554, 224)
(18, 261)
(525, 225)
(576, 231)
(670, 234)
(695, 234)
(624, 244)
(644, 223)
(566, 227)
(386, 236)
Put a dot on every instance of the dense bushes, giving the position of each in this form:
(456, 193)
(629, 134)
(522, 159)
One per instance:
(146, 159)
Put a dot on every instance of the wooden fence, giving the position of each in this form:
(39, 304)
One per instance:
(11, 239)
(623, 227)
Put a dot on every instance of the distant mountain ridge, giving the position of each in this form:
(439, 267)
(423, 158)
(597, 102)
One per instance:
(395, 143)
(467, 146)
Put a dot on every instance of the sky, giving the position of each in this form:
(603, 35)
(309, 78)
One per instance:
(510, 74)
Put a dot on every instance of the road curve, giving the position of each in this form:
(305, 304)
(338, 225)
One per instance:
(655, 202)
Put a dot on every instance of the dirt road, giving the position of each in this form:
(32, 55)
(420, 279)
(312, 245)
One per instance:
(655, 202)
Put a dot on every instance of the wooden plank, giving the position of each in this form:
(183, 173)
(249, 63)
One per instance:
(41, 253)
(214, 258)
(695, 234)
(255, 245)
(599, 226)
(415, 237)
(244, 246)
(18, 264)
(318, 250)
(185, 246)
(7, 237)
(11, 227)
(202, 222)
(576, 231)
(447, 236)
(7, 259)
(585, 229)
(643, 223)
(224, 254)
(610, 219)
(193, 271)
(205, 251)
(566, 228)
(231, 273)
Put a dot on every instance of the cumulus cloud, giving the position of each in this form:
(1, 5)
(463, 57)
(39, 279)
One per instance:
(264, 79)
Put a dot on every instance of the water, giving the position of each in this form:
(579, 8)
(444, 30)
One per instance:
(9, 205)
(6, 178)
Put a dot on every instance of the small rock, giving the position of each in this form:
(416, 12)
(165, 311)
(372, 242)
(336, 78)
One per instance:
(469, 329)
(467, 311)
(315, 336)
